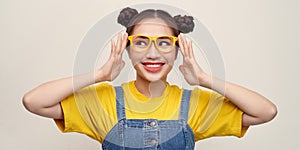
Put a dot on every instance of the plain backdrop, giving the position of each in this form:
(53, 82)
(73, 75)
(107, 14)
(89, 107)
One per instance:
(258, 39)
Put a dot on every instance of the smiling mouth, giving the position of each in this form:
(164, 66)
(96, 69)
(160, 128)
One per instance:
(153, 66)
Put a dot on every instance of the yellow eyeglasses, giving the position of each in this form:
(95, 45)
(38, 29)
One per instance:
(164, 43)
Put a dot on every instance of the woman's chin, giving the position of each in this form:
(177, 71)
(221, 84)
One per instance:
(154, 78)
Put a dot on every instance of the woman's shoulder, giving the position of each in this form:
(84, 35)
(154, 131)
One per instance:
(107, 86)
(110, 87)
(194, 90)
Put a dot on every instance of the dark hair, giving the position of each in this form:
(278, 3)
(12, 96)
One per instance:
(129, 17)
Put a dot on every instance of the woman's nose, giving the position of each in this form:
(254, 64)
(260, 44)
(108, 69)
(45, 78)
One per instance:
(152, 52)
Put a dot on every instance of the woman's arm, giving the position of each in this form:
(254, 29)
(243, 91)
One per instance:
(257, 109)
(44, 100)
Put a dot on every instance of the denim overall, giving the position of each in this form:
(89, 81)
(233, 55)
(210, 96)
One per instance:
(150, 134)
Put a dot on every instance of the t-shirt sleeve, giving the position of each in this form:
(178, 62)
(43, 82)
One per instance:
(73, 121)
(211, 114)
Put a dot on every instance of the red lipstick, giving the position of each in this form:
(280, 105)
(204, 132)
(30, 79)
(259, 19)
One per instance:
(153, 66)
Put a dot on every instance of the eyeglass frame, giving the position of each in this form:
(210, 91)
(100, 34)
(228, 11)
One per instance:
(153, 38)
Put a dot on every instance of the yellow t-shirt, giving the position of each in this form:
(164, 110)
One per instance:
(92, 111)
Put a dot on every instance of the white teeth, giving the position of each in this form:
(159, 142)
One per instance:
(153, 65)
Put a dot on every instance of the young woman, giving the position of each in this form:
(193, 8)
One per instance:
(149, 113)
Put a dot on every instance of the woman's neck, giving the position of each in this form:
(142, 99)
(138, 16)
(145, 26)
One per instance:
(150, 89)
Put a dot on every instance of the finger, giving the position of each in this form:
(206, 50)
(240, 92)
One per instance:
(181, 45)
(119, 43)
(113, 47)
(184, 43)
(190, 49)
(124, 42)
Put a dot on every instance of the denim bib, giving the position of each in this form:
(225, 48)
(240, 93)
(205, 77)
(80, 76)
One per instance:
(150, 134)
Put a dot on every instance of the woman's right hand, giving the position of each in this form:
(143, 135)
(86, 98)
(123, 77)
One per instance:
(112, 68)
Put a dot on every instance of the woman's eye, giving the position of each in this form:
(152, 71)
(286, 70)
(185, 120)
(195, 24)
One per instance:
(164, 43)
(142, 43)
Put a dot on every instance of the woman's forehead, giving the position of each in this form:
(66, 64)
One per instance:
(152, 26)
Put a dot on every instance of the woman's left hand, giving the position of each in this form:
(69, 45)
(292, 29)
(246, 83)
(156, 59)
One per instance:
(190, 69)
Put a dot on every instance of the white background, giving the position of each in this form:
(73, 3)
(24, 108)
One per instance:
(258, 39)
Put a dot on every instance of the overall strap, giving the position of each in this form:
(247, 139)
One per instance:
(120, 103)
(185, 103)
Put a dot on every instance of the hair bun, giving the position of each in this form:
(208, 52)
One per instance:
(184, 23)
(126, 15)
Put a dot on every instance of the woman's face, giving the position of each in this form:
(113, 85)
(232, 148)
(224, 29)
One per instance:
(152, 65)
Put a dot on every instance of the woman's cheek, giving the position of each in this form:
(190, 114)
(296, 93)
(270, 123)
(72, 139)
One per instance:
(136, 57)
(171, 58)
